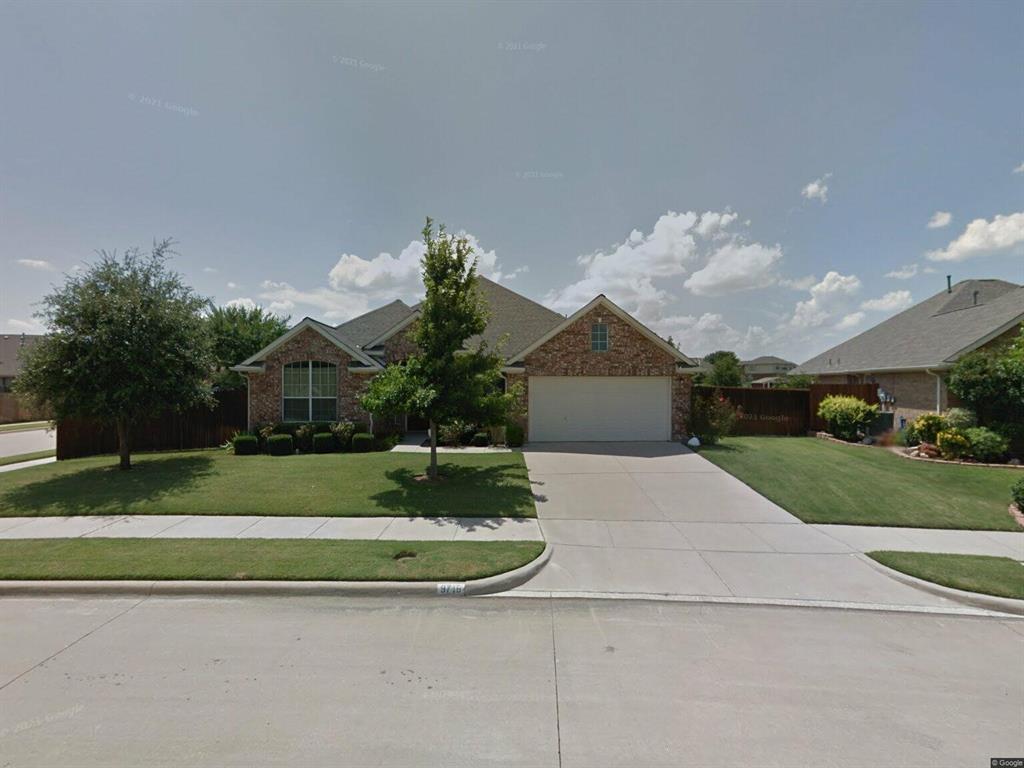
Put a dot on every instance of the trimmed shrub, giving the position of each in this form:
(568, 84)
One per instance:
(362, 442)
(304, 437)
(986, 445)
(953, 444)
(481, 440)
(280, 445)
(343, 431)
(455, 433)
(712, 417)
(360, 426)
(386, 442)
(1017, 494)
(514, 435)
(927, 427)
(323, 442)
(848, 416)
(960, 418)
(246, 445)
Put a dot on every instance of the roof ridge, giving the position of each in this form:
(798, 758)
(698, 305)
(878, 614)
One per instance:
(517, 294)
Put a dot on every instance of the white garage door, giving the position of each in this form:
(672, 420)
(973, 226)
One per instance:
(574, 408)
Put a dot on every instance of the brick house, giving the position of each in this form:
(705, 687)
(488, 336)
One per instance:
(596, 375)
(909, 355)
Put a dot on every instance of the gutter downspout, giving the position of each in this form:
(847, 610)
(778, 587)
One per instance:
(938, 389)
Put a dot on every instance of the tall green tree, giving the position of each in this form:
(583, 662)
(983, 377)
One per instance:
(726, 370)
(126, 340)
(991, 382)
(237, 333)
(443, 381)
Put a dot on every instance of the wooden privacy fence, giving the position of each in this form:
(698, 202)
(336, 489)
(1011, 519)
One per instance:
(783, 411)
(197, 428)
(13, 409)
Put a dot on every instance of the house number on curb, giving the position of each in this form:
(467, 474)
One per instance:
(451, 589)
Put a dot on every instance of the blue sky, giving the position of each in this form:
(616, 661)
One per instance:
(754, 177)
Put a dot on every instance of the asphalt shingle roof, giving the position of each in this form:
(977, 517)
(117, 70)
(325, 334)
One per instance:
(361, 330)
(523, 320)
(928, 335)
(10, 346)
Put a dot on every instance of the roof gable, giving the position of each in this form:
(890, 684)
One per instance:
(324, 330)
(361, 331)
(603, 301)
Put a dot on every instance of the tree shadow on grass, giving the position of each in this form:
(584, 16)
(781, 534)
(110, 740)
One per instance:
(492, 491)
(107, 490)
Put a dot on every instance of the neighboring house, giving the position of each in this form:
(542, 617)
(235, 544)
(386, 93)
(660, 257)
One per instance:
(596, 375)
(909, 355)
(11, 345)
(766, 366)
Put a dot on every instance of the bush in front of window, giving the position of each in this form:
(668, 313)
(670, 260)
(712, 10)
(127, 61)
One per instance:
(343, 431)
(323, 442)
(246, 445)
(280, 445)
(514, 435)
(362, 442)
(481, 440)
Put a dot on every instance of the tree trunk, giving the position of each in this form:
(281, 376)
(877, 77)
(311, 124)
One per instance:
(123, 447)
(432, 470)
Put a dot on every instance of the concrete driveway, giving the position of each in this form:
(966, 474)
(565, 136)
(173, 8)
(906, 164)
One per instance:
(657, 518)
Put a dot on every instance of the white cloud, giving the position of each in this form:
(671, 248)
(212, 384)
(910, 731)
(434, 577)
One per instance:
(817, 189)
(940, 219)
(232, 286)
(984, 237)
(209, 270)
(244, 302)
(736, 267)
(1019, 168)
(713, 224)
(894, 301)
(830, 299)
(850, 321)
(700, 335)
(798, 283)
(356, 285)
(25, 326)
(39, 264)
(905, 272)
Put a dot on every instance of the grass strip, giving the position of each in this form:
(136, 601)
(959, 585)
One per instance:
(18, 458)
(999, 576)
(260, 559)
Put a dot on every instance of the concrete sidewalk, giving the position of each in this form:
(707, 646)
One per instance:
(658, 519)
(256, 527)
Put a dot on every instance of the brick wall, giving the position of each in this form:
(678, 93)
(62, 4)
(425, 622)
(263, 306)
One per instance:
(265, 388)
(630, 353)
(401, 345)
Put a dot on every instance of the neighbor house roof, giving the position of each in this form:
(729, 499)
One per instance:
(11, 345)
(767, 360)
(932, 334)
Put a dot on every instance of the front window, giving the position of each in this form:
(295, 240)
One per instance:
(310, 391)
(599, 337)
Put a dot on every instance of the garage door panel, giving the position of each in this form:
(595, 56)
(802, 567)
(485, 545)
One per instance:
(584, 408)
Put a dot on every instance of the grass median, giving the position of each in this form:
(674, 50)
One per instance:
(20, 457)
(260, 559)
(999, 576)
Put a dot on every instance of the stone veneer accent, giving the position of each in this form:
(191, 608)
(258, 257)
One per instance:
(630, 353)
(265, 388)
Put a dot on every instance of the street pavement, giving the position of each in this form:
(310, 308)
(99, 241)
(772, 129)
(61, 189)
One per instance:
(29, 441)
(500, 681)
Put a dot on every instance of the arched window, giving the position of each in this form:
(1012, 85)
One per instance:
(310, 391)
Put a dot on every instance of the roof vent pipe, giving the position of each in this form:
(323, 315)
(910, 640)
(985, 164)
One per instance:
(975, 298)
(949, 283)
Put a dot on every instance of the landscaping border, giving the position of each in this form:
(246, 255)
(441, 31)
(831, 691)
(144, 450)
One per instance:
(113, 588)
(899, 452)
(973, 599)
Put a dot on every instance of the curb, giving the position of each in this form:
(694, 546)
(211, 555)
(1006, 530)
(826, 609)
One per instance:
(973, 599)
(486, 586)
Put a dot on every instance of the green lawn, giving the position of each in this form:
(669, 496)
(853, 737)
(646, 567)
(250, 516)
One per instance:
(18, 458)
(824, 482)
(999, 576)
(218, 483)
(271, 559)
(23, 426)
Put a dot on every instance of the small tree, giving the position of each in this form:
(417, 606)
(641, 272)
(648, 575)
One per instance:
(726, 370)
(444, 381)
(991, 382)
(237, 333)
(126, 340)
